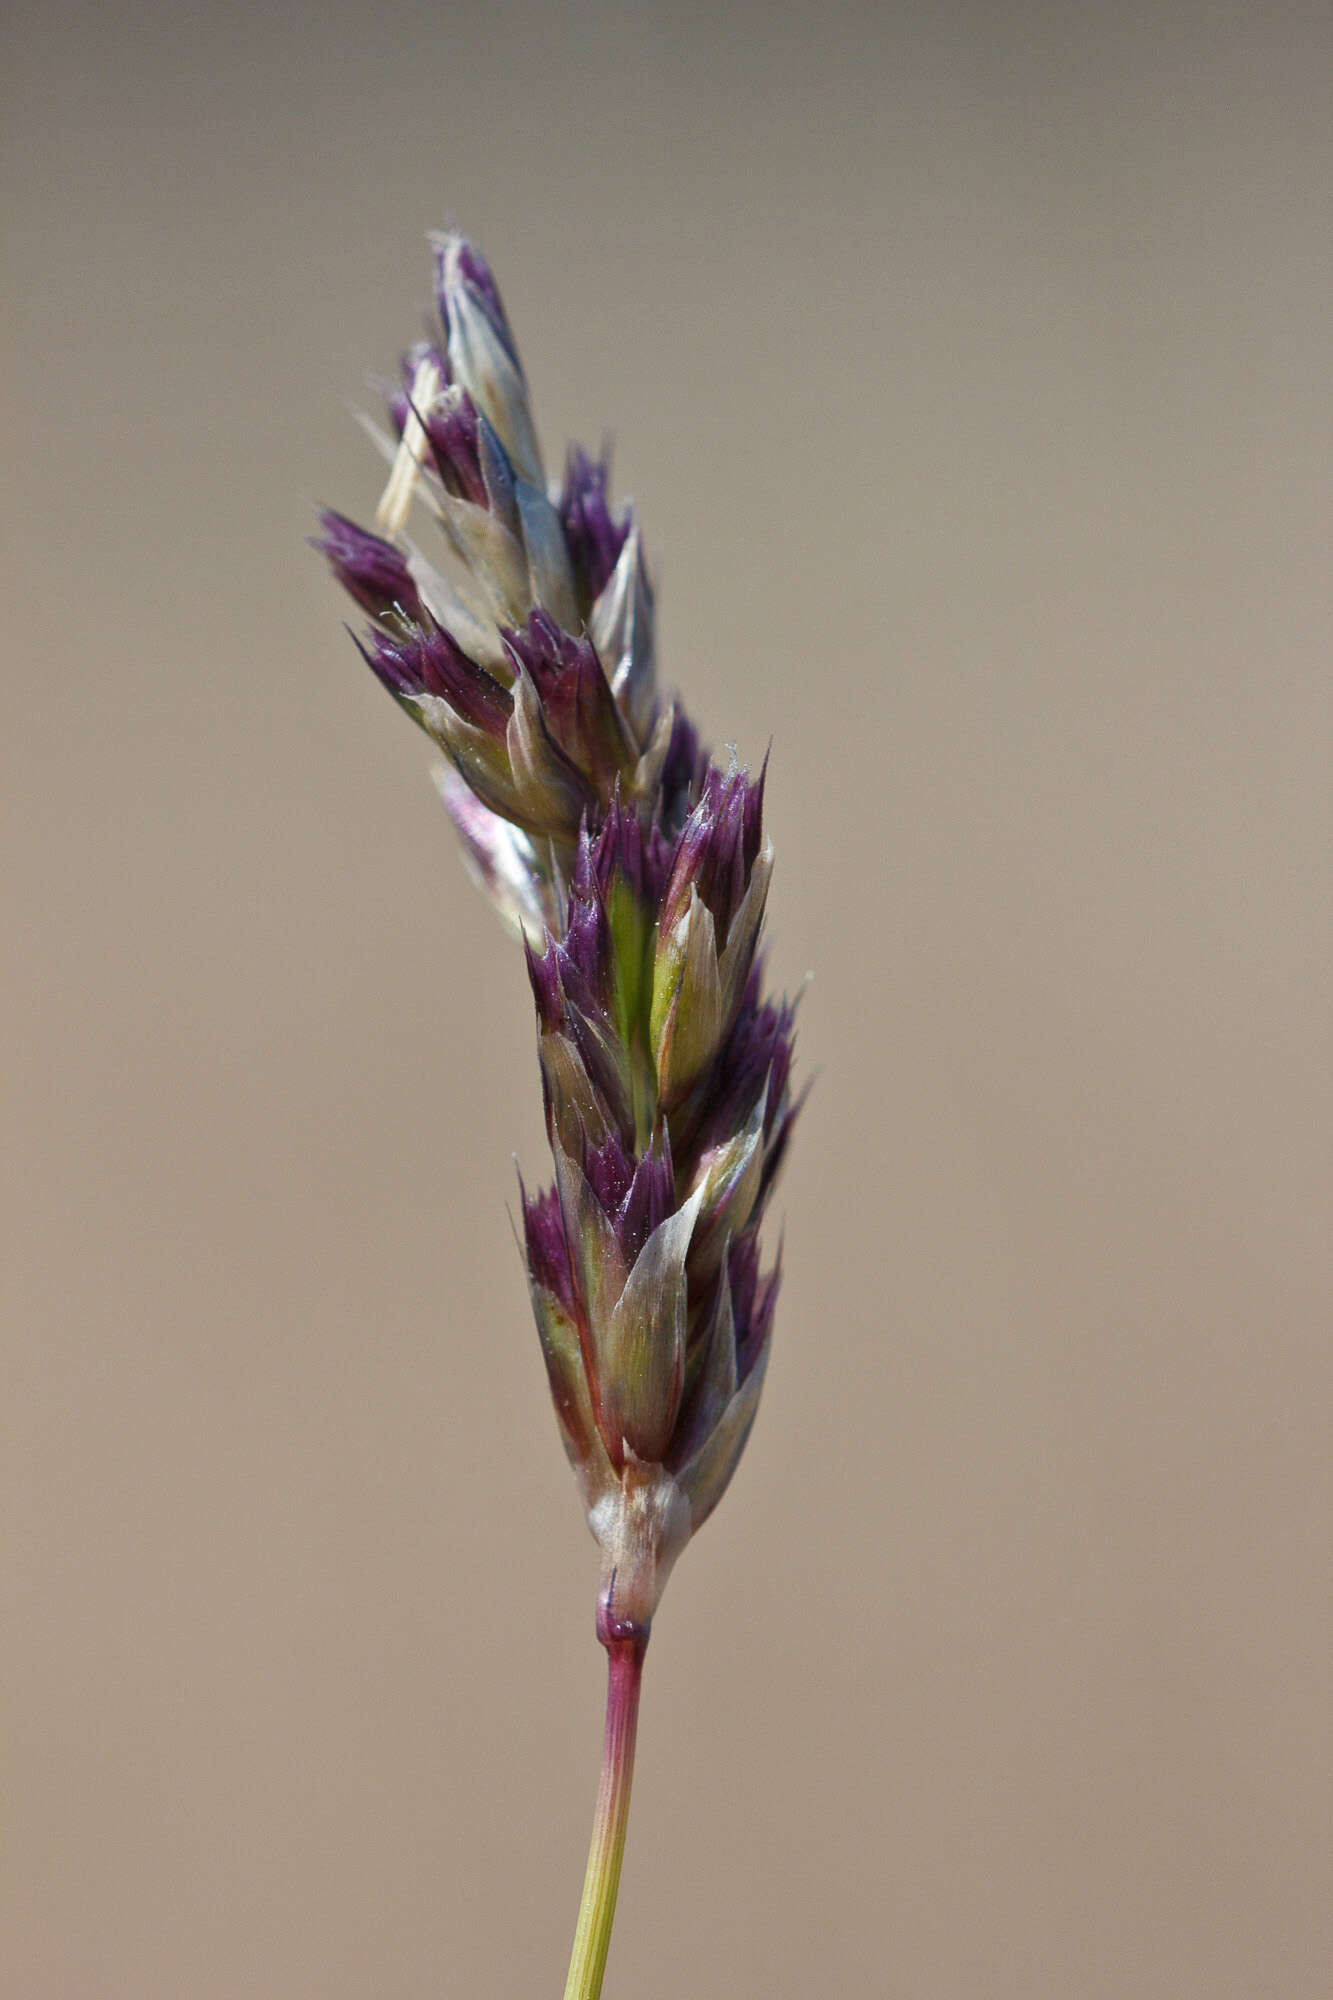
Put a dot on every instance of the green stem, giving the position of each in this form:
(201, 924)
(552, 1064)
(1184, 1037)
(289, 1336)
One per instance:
(624, 1662)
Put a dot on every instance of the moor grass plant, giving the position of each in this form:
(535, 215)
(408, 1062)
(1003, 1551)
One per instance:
(635, 871)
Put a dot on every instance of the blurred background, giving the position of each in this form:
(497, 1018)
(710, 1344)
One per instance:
(970, 365)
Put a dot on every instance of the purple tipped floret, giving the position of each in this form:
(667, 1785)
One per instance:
(609, 1169)
(430, 662)
(544, 976)
(683, 773)
(551, 656)
(762, 1046)
(452, 433)
(371, 571)
(617, 850)
(753, 1298)
(578, 706)
(635, 1194)
(477, 275)
(547, 1248)
(717, 848)
(594, 536)
(757, 1056)
(584, 950)
(622, 847)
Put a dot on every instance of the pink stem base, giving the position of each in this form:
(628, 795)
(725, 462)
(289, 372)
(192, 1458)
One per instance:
(625, 1649)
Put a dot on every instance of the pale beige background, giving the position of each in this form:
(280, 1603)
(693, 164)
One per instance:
(971, 368)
